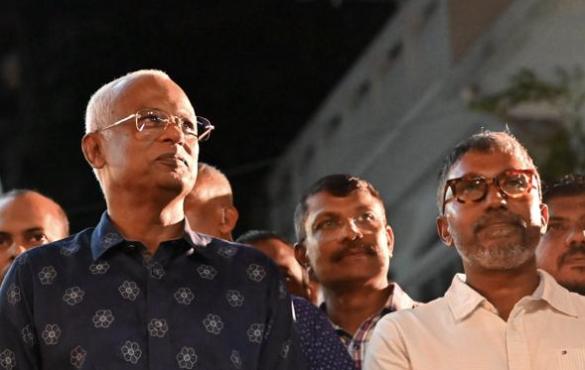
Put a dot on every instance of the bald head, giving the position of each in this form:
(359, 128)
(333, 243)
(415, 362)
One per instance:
(101, 107)
(133, 149)
(209, 207)
(28, 219)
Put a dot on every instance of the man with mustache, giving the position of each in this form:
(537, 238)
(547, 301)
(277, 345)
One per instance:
(343, 236)
(503, 313)
(561, 251)
(142, 290)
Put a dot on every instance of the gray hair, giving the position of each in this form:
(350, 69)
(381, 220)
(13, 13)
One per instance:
(99, 111)
(484, 142)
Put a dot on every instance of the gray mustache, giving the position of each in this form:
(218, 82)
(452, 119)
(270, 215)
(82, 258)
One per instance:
(498, 216)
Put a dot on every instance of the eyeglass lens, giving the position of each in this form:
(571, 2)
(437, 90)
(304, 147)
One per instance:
(511, 183)
(150, 120)
(158, 120)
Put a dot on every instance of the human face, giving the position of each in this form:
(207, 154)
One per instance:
(167, 161)
(347, 239)
(26, 221)
(496, 232)
(561, 251)
(284, 257)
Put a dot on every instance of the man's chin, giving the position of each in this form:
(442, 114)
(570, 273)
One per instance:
(177, 183)
(574, 286)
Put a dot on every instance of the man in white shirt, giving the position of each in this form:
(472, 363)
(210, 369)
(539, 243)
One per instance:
(503, 313)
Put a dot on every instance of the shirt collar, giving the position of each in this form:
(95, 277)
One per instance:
(463, 300)
(556, 296)
(105, 236)
(397, 300)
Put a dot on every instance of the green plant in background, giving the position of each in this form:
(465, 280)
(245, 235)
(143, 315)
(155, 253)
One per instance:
(546, 115)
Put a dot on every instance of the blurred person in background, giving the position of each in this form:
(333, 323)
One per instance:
(209, 207)
(561, 251)
(28, 219)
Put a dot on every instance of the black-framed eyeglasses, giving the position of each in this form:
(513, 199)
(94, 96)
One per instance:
(472, 188)
(151, 121)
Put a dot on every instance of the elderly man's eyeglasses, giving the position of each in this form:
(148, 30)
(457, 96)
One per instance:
(154, 121)
(471, 188)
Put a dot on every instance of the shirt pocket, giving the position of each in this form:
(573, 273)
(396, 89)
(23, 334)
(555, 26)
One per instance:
(571, 358)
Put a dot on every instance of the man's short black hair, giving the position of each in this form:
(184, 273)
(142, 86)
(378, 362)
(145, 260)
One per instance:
(483, 142)
(338, 185)
(568, 185)
(254, 236)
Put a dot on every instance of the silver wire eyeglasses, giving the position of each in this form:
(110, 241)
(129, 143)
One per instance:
(151, 121)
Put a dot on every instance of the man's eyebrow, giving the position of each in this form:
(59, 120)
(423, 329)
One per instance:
(33, 229)
(326, 214)
(365, 208)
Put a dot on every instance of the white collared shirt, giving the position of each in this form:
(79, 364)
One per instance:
(462, 330)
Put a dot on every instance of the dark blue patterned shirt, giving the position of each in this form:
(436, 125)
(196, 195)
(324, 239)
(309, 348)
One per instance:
(97, 301)
(319, 342)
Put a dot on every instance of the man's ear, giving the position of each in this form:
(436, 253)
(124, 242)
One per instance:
(543, 218)
(390, 237)
(229, 218)
(91, 146)
(301, 254)
(443, 230)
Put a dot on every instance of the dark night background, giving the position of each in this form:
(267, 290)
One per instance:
(257, 69)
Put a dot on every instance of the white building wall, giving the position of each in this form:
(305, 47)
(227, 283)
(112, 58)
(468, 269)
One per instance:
(398, 112)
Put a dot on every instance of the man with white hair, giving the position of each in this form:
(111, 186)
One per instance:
(141, 289)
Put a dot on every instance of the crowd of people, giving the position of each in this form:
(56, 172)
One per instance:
(159, 283)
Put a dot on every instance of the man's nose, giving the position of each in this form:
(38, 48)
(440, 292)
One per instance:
(494, 197)
(16, 249)
(352, 230)
(174, 130)
(576, 235)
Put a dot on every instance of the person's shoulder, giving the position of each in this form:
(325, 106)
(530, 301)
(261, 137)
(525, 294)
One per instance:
(236, 253)
(420, 313)
(48, 257)
(64, 247)
(304, 307)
